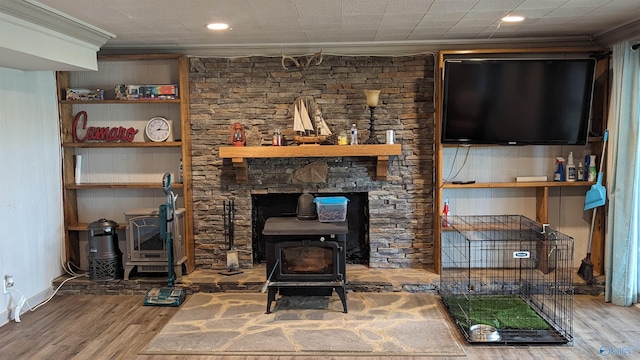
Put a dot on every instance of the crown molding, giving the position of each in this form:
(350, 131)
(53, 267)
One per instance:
(39, 14)
(373, 48)
(43, 38)
(630, 31)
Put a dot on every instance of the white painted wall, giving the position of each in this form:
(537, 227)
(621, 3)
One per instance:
(30, 186)
(503, 164)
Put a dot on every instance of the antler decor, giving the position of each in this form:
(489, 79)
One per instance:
(304, 62)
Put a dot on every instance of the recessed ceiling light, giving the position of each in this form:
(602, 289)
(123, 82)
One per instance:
(217, 26)
(512, 18)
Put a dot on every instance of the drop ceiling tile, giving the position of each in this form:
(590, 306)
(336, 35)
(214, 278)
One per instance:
(440, 6)
(582, 3)
(466, 29)
(497, 4)
(391, 37)
(465, 22)
(459, 36)
(436, 23)
(485, 14)
(372, 20)
(363, 7)
(425, 37)
(322, 36)
(570, 11)
(530, 13)
(275, 8)
(431, 30)
(324, 8)
(541, 4)
(328, 21)
(456, 15)
(402, 18)
(408, 7)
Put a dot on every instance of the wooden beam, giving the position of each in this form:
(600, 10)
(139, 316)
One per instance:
(242, 169)
(381, 167)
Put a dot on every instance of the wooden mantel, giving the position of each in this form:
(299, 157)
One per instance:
(240, 154)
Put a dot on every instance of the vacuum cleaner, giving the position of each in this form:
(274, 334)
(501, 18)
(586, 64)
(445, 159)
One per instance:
(168, 295)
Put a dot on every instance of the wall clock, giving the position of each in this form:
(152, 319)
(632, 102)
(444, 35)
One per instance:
(158, 129)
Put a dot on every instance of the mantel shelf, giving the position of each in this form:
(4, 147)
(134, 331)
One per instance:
(240, 154)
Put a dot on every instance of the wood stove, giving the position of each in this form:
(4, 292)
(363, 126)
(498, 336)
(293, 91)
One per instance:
(305, 257)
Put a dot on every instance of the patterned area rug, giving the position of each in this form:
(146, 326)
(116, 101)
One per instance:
(377, 324)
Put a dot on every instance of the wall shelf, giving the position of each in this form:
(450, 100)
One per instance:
(129, 185)
(123, 144)
(240, 154)
(542, 191)
(111, 102)
(523, 184)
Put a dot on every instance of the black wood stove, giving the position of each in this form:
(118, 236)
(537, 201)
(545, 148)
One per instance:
(305, 257)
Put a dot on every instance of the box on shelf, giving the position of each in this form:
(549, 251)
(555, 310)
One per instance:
(135, 92)
(331, 208)
(84, 94)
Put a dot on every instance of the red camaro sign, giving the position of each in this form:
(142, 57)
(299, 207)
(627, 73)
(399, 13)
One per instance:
(92, 133)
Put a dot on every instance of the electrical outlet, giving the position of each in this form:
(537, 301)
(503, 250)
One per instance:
(8, 283)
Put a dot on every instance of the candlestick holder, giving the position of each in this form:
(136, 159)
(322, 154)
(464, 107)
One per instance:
(372, 101)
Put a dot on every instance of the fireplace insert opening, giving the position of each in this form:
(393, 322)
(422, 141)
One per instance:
(306, 260)
(265, 206)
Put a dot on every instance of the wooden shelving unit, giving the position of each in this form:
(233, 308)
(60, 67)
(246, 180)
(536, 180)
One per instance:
(240, 154)
(166, 67)
(599, 113)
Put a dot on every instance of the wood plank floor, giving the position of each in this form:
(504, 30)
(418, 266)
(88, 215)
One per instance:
(118, 327)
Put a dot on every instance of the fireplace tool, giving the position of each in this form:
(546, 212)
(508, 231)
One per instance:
(228, 213)
(168, 295)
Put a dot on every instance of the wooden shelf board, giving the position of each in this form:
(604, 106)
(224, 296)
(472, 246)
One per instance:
(240, 154)
(123, 144)
(527, 184)
(252, 152)
(135, 185)
(141, 101)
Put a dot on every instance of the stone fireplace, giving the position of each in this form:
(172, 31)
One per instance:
(258, 93)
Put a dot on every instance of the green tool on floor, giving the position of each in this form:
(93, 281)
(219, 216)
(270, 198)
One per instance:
(168, 295)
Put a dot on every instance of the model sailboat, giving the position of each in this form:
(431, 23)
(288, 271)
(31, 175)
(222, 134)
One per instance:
(307, 131)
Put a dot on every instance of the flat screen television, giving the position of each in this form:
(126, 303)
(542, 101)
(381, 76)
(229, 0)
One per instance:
(517, 101)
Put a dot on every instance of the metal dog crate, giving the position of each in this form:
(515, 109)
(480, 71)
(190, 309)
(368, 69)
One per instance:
(506, 279)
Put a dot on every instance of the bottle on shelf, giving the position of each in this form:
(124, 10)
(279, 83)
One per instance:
(277, 138)
(571, 169)
(181, 178)
(445, 213)
(593, 173)
(559, 174)
(342, 138)
(354, 135)
(580, 173)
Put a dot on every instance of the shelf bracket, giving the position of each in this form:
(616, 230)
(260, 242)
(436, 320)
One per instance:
(381, 167)
(242, 169)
